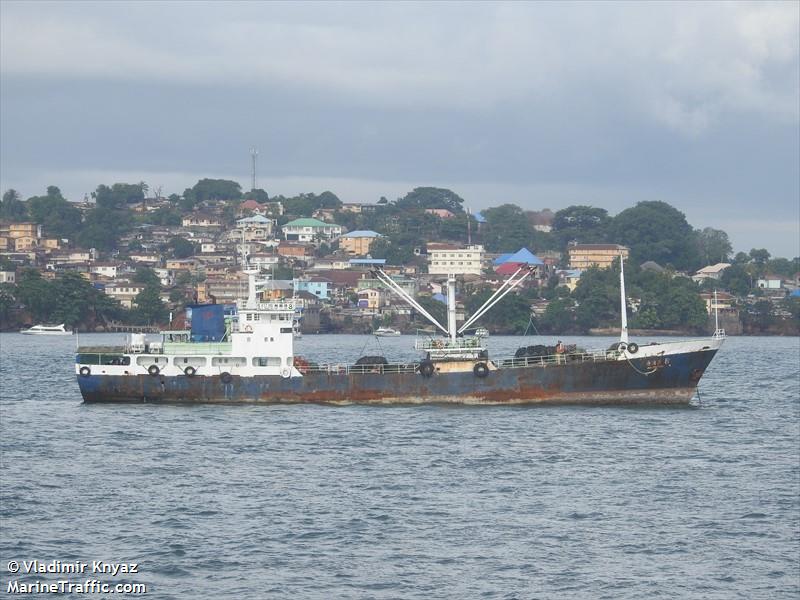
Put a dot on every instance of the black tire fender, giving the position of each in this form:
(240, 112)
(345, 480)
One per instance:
(85, 371)
(153, 370)
(189, 371)
(633, 348)
(426, 368)
(225, 377)
(480, 369)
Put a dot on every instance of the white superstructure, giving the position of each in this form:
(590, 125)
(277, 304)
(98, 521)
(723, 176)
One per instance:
(259, 340)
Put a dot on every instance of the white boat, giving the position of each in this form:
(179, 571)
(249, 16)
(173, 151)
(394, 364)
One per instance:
(46, 330)
(386, 332)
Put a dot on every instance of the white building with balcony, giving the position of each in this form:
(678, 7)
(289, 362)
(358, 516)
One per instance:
(447, 259)
(310, 230)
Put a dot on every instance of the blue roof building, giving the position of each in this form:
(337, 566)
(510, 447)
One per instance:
(362, 233)
(523, 255)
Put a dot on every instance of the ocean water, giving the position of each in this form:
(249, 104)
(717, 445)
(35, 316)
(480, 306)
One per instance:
(412, 502)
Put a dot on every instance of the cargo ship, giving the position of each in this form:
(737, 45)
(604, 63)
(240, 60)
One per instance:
(249, 358)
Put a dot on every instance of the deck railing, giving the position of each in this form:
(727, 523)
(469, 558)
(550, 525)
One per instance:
(341, 369)
(557, 359)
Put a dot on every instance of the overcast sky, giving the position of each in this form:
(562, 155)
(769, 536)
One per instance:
(540, 104)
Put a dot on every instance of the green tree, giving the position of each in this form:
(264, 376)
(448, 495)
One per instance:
(103, 227)
(258, 195)
(12, 208)
(431, 197)
(59, 217)
(558, 317)
(161, 216)
(506, 228)
(584, 224)
(682, 307)
(118, 196)
(147, 276)
(149, 307)
(183, 279)
(597, 295)
(714, 245)
(659, 232)
(783, 266)
(188, 200)
(509, 316)
(328, 200)
(436, 309)
(7, 303)
(216, 189)
(395, 254)
(760, 316)
(35, 294)
(181, 248)
(736, 280)
(759, 255)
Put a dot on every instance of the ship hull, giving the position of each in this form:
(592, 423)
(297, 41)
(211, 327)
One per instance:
(635, 381)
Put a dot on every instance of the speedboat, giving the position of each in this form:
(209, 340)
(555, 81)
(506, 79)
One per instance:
(386, 332)
(46, 330)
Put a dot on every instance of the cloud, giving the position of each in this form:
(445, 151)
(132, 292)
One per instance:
(680, 65)
(540, 104)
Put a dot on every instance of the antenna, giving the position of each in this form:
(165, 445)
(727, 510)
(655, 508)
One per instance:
(716, 312)
(254, 156)
(469, 228)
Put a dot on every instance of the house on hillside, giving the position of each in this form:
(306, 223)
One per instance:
(442, 213)
(358, 242)
(106, 269)
(310, 230)
(583, 256)
(295, 250)
(251, 229)
(770, 282)
(710, 272)
(446, 259)
(723, 302)
(372, 298)
(201, 219)
(124, 291)
(319, 287)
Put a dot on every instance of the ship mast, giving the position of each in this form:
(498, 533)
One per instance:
(451, 307)
(623, 334)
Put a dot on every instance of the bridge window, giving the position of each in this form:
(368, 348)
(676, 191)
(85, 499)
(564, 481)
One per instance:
(146, 361)
(266, 361)
(228, 361)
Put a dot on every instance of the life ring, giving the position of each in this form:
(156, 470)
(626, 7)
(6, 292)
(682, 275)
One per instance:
(248, 328)
(633, 347)
(153, 370)
(480, 370)
(286, 372)
(426, 368)
(225, 377)
(85, 371)
(189, 371)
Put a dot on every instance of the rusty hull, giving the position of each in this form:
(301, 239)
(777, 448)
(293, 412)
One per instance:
(609, 382)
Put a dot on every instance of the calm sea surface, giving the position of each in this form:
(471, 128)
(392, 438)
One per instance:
(412, 502)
